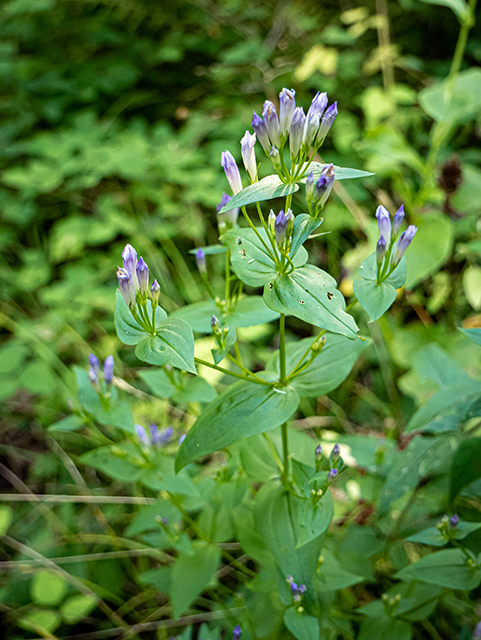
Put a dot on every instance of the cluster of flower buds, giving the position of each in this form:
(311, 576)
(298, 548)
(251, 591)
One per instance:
(447, 526)
(388, 251)
(133, 279)
(220, 335)
(390, 603)
(281, 227)
(155, 437)
(297, 591)
(96, 373)
(318, 191)
(228, 219)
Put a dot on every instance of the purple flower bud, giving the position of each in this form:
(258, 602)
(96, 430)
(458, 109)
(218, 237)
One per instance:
(94, 362)
(280, 227)
(296, 134)
(231, 171)
(453, 522)
(214, 322)
(309, 187)
(269, 115)
(126, 286)
(318, 451)
(275, 158)
(324, 184)
(383, 222)
(201, 261)
(311, 127)
(403, 243)
(397, 221)
(327, 121)
(260, 129)
(142, 271)
(109, 369)
(230, 217)
(332, 474)
(164, 521)
(294, 587)
(477, 631)
(380, 249)
(182, 438)
(336, 451)
(129, 261)
(160, 438)
(142, 434)
(94, 379)
(236, 633)
(287, 104)
(155, 292)
(297, 591)
(318, 104)
(249, 155)
(290, 222)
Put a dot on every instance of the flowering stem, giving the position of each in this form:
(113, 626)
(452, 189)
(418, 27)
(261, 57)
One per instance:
(299, 366)
(282, 366)
(254, 228)
(245, 369)
(231, 373)
(227, 277)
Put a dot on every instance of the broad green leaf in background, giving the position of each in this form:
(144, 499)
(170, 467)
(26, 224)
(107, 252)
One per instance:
(466, 466)
(472, 334)
(331, 576)
(77, 607)
(463, 104)
(432, 536)
(173, 344)
(385, 628)
(301, 625)
(314, 519)
(417, 602)
(311, 295)
(6, 517)
(122, 464)
(459, 7)
(128, 331)
(48, 588)
(188, 390)
(447, 568)
(249, 310)
(472, 286)
(329, 369)
(191, 574)
(374, 298)
(243, 409)
(250, 260)
(70, 423)
(430, 248)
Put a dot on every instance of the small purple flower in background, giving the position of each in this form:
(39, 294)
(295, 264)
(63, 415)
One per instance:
(397, 221)
(201, 262)
(453, 522)
(327, 121)
(318, 451)
(94, 363)
(160, 438)
(287, 105)
(142, 434)
(109, 370)
(403, 243)
(269, 115)
(336, 451)
(231, 169)
(236, 633)
(260, 129)
(249, 154)
(280, 227)
(383, 222)
(477, 631)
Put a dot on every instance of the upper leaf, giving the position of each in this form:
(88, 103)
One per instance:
(304, 225)
(243, 409)
(173, 344)
(266, 189)
(250, 259)
(311, 295)
(128, 330)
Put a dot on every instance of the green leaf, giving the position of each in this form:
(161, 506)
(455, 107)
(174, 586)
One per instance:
(385, 629)
(374, 298)
(218, 354)
(464, 103)
(418, 601)
(119, 463)
(430, 248)
(459, 7)
(250, 310)
(48, 588)
(173, 344)
(304, 225)
(472, 286)
(472, 334)
(432, 536)
(191, 574)
(301, 625)
(250, 259)
(447, 568)
(266, 189)
(41, 621)
(368, 271)
(77, 607)
(6, 517)
(188, 390)
(340, 173)
(311, 295)
(329, 369)
(466, 466)
(70, 423)
(331, 576)
(242, 410)
(210, 250)
(128, 330)
(314, 519)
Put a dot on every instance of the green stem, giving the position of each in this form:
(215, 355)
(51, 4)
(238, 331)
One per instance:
(282, 366)
(294, 371)
(256, 231)
(275, 455)
(231, 373)
(245, 369)
(227, 277)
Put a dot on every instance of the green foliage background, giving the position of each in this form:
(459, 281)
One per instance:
(113, 117)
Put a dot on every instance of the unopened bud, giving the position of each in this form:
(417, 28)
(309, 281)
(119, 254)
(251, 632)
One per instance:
(155, 292)
(336, 452)
(201, 262)
(271, 221)
(318, 344)
(109, 369)
(453, 522)
(318, 451)
(214, 323)
(290, 222)
(280, 227)
(275, 158)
